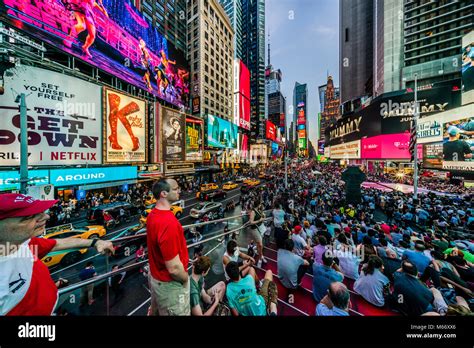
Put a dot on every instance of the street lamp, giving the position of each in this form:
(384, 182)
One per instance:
(286, 162)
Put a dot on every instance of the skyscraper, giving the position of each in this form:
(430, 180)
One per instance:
(254, 58)
(300, 118)
(169, 17)
(388, 46)
(432, 39)
(330, 112)
(356, 37)
(233, 9)
(211, 57)
(247, 17)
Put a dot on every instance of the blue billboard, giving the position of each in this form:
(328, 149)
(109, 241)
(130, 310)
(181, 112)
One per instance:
(221, 133)
(8, 178)
(73, 177)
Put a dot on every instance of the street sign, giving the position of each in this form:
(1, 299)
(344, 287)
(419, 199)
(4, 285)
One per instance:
(20, 38)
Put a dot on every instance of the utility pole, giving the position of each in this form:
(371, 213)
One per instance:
(415, 151)
(23, 144)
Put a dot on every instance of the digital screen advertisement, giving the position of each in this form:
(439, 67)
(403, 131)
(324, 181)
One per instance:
(110, 35)
(125, 123)
(388, 146)
(458, 145)
(63, 118)
(173, 134)
(271, 130)
(221, 133)
(468, 68)
(349, 150)
(301, 116)
(433, 155)
(194, 137)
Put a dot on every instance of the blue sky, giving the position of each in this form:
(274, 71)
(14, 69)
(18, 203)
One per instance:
(304, 36)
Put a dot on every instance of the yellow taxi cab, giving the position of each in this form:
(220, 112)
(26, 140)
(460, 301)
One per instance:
(67, 257)
(206, 187)
(150, 200)
(253, 182)
(248, 181)
(176, 208)
(229, 185)
(209, 187)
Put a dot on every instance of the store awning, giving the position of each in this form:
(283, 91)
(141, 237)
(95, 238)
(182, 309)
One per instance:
(107, 184)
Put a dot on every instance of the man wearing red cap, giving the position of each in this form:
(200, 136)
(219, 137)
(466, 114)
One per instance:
(26, 287)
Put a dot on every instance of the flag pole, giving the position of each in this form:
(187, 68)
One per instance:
(415, 151)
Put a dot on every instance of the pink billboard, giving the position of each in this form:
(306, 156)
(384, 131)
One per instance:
(388, 146)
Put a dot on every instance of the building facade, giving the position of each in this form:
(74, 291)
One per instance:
(233, 9)
(254, 59)
(330, 113)
(300, 117)
(356, 37)
(169, 17)
(388, 46)
(432, 39)
(211, 58)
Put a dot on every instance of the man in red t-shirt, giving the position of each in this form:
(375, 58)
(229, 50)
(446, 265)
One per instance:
(26, 287)
(168, 254)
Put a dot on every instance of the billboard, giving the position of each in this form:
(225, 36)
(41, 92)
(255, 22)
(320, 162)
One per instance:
(302, 143)
(9, 180)
(349, 150)
(388, 146)
(75, 176)
(244, 147)
(301, 134)
(433, 155)
(274, 149)
(282, 121)
(110, 35)
(321, 147)
(270, 130)
(301, 116)
(244, 81)
(194, 139)
(458, 144)
(468, 68)
(244, 112)
(125, 124)
(221, 133)
(173, 134)
(63, 119)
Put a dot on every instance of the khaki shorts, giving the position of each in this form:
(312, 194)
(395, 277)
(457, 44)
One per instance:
(169, 298)
(255, 235)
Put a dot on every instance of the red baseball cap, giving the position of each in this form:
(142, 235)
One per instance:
(297, 229)
(17, 205)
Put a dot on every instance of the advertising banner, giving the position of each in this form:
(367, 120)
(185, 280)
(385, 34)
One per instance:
(244, 81)
(468, 68)
(110, 35)
(387, 146)
(321, 148)
(196, 105)
(244, 112)
(301, 134)
(458, 144)
(433, 155)
(354, 127)
(282, 121)
(244, 148)
(349, 150)
(270, 131)
(42, 192)
(301, 116)
(302, 143)
(125, 124)
(173, 134)
(221, 133)
(64, 119)
(73, 177)
(397, 111)
(194, 139)
(8, 179)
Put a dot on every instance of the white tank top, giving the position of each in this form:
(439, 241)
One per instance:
(234, 257)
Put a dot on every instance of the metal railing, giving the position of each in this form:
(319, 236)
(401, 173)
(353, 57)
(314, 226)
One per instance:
(144, 262)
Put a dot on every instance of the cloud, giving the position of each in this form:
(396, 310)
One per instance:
(325, 31)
